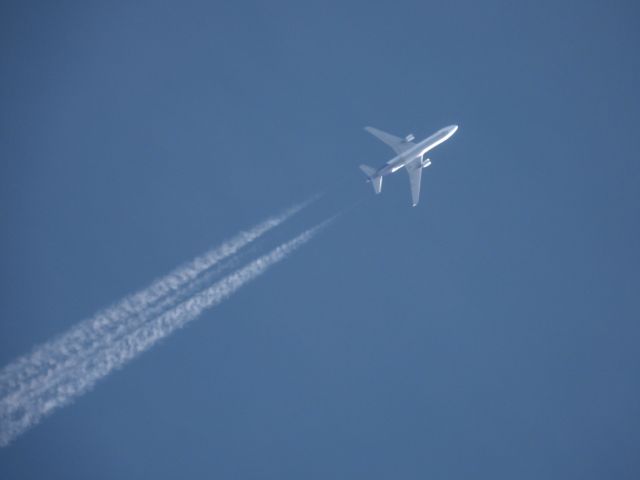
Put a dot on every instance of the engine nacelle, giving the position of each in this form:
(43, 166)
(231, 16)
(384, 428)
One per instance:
(426, 162)
(409, 138)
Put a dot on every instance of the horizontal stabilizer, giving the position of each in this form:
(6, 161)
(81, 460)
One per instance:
(376, 180)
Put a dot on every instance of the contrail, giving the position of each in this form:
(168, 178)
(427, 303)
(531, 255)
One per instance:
(58, 368)
(19, 413)
(47, 359)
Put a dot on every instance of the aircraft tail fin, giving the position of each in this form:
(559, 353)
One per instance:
(376, 180)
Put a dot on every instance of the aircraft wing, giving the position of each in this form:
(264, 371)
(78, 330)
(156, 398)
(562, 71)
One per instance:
(398, 144)
(415, 176)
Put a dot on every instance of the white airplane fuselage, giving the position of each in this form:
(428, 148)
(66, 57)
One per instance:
(409, 156)
(417, 152)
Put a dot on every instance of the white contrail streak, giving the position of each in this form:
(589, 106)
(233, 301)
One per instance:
(48, 359)
(19, 413)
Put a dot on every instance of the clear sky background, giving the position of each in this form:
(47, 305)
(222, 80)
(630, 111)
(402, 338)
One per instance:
(491, 332)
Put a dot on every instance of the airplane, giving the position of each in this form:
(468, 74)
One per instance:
(409, 155)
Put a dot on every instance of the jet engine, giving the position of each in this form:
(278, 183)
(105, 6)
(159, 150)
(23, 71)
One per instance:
(426, 162)
(409, 138)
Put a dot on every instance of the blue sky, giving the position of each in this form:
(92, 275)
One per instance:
(491, 332)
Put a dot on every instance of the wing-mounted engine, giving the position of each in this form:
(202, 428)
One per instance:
(426, 162)
(409, 138)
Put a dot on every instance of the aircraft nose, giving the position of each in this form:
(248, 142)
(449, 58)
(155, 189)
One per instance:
(453, 128)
